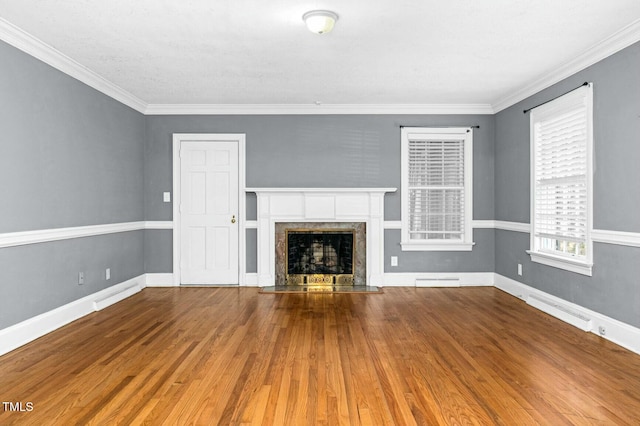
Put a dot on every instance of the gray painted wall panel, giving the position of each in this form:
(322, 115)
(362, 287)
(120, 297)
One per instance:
(616, 144)
(252, 250)
(480, 259)
(315, 151)
(318, 151)
(158, 251)
(70, 156)
(38, 278)
(612, 291)
(613, 288)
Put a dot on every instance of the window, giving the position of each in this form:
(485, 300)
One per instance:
(561, 182)
(437, 188)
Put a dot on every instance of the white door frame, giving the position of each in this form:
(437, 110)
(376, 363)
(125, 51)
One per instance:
(240, 138)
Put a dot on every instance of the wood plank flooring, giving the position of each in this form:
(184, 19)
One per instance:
(181, 356)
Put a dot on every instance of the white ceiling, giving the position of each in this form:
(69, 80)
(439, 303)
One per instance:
(381, 52)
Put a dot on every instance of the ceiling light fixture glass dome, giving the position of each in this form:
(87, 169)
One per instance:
(320, 21)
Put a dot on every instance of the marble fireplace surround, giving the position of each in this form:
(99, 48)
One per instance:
(359, 260)
(320, 205)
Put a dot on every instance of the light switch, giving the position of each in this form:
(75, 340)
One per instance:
(394, 260)
(166, 197)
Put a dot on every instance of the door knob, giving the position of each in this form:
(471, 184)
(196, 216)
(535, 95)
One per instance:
(233, 219)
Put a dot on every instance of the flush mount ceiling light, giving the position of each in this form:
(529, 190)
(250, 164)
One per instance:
(320, 21)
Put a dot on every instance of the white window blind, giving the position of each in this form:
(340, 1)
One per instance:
(561, 178)
(436, 188)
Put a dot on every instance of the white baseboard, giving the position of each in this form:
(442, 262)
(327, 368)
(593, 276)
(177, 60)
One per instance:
(438, 279)
(159, 280)
(616, 331)
(251, 279)
(166, 280)
(26, 331)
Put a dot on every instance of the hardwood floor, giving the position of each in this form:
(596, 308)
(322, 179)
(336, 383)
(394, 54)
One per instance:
(409, 356)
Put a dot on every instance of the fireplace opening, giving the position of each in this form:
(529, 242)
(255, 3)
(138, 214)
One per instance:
(320, 256)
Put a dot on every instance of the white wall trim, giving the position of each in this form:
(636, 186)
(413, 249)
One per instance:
(513, 226)
(475, 224)
(306, 109)
(29, 44)
(438, 279)
(483, 224)
(26, 331)
(617, 332)
(616, 237)
(58, 60)
(607, 47)
(11, 239)
(158, 280)
(251, 279)
(158, 224)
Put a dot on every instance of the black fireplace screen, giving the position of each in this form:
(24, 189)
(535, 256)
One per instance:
(320, 251)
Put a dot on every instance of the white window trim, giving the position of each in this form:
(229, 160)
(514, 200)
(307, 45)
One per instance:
(445, 133)
(582, 95)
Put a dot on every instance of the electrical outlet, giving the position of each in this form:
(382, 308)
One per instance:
(166, 197)
(520, 269)
(80, 278)
(107, 274)
(394, 260)
(602, 330)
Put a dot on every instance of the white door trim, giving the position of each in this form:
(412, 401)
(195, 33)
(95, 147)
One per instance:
(210, 137)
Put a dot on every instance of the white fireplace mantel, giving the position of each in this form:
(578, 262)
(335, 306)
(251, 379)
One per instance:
(320, 205)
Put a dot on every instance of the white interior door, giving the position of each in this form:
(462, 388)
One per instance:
(209, 212)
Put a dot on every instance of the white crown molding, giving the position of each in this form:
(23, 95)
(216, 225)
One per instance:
(607, 47)
(29, 44)
(313, 109)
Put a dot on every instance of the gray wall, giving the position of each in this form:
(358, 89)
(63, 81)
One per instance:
(614, 289)
(70, 156)
(323, 151)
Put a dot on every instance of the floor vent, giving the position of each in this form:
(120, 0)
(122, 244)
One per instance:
(560, 311)
(116, 297)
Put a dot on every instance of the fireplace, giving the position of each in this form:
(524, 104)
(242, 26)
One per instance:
(319, 256)
(320, 253)
(279, 209)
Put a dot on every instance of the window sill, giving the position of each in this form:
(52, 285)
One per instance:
(436, 246)
(576, 266)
